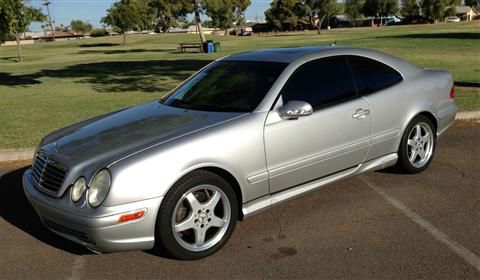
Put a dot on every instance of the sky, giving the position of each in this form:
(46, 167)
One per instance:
(63, 11)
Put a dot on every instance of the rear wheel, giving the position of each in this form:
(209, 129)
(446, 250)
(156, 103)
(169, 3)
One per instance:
(197, 216)
(418, 145)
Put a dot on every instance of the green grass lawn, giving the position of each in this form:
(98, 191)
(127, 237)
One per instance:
(63, 82)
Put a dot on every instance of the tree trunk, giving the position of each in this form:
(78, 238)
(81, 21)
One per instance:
(124, 35)
(19, 46)
(199, 27)
(319, 27)
(311, 20)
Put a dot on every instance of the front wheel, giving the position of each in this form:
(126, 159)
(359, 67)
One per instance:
(197, 216)
(418, 145)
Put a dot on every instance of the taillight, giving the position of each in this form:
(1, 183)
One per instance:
(452, 93)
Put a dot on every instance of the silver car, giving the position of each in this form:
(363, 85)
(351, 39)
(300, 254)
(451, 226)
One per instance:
(243, 134)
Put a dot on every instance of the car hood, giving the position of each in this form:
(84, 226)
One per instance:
(104, 139)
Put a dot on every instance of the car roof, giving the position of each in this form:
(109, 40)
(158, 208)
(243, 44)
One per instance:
(303, 54)
(286, 55)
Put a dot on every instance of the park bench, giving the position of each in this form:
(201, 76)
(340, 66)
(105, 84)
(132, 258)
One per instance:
(183, 47)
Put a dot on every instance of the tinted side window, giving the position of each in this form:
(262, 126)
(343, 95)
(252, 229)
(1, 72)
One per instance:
(320, 82)
(371, 75)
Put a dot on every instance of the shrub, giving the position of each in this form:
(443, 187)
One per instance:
(98, 32)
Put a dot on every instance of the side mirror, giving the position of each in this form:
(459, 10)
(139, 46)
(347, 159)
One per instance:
(295, 109)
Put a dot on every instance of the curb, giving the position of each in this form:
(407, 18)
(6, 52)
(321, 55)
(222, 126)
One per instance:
(16, 154)
(468, 115)
(27, 154)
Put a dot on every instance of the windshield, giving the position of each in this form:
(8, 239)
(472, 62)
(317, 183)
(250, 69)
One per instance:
(227, 86)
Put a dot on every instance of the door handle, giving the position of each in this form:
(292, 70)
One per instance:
(360, 114)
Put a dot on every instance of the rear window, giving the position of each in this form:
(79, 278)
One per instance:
(371, 75)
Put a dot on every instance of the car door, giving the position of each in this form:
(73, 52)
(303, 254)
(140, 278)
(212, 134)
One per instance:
(380, 84)
(335, 137)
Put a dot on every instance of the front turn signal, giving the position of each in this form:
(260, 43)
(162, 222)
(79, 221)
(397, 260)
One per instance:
(132, 216)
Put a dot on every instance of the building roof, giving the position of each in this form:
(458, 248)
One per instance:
(62, 34)
(464, 9)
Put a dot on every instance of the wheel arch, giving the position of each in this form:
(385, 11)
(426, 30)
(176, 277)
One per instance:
(232, 181)
(430, 116)
(226, 175)
(425, 113)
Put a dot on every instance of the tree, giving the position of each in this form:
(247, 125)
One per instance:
(283, 14)
(87, 27)
(451, 10)
(98, 32)
(6, 19)
(80, 26)
(220, 12)
(167, 12)
(76, 25)
(59, 28)
(353, 10)
(410, 10)
(239, 18)
(15, 17)
(146, 15)
(183, 22)
(435, 10)
(380, 8)
(225, 12)
(123, 15)
(318, 10)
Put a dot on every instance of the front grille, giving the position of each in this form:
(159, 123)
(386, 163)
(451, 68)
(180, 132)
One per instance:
(48, 174)
(68, 231)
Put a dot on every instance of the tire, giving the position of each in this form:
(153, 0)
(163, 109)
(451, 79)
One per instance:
(200, 204)
(416, 152)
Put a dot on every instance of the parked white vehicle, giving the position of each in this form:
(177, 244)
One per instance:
(453, 19)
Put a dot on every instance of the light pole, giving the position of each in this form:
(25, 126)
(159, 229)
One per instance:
(198, 21)
(46, 4)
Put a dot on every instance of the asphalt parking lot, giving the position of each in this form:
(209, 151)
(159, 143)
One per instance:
(379, 225)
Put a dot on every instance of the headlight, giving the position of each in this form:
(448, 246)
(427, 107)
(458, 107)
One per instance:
(78, 188)
(99, 188)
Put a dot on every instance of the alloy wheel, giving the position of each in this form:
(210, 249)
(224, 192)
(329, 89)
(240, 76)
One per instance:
(201, 218)
(420, 145)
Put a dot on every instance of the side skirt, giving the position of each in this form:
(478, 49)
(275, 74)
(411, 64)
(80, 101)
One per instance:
(266, 202)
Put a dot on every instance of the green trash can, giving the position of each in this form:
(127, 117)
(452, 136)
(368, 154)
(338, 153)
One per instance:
(216, 47)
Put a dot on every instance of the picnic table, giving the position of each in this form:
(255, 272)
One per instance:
(183, 47)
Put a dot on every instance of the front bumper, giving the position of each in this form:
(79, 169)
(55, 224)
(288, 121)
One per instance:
(97, 229)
